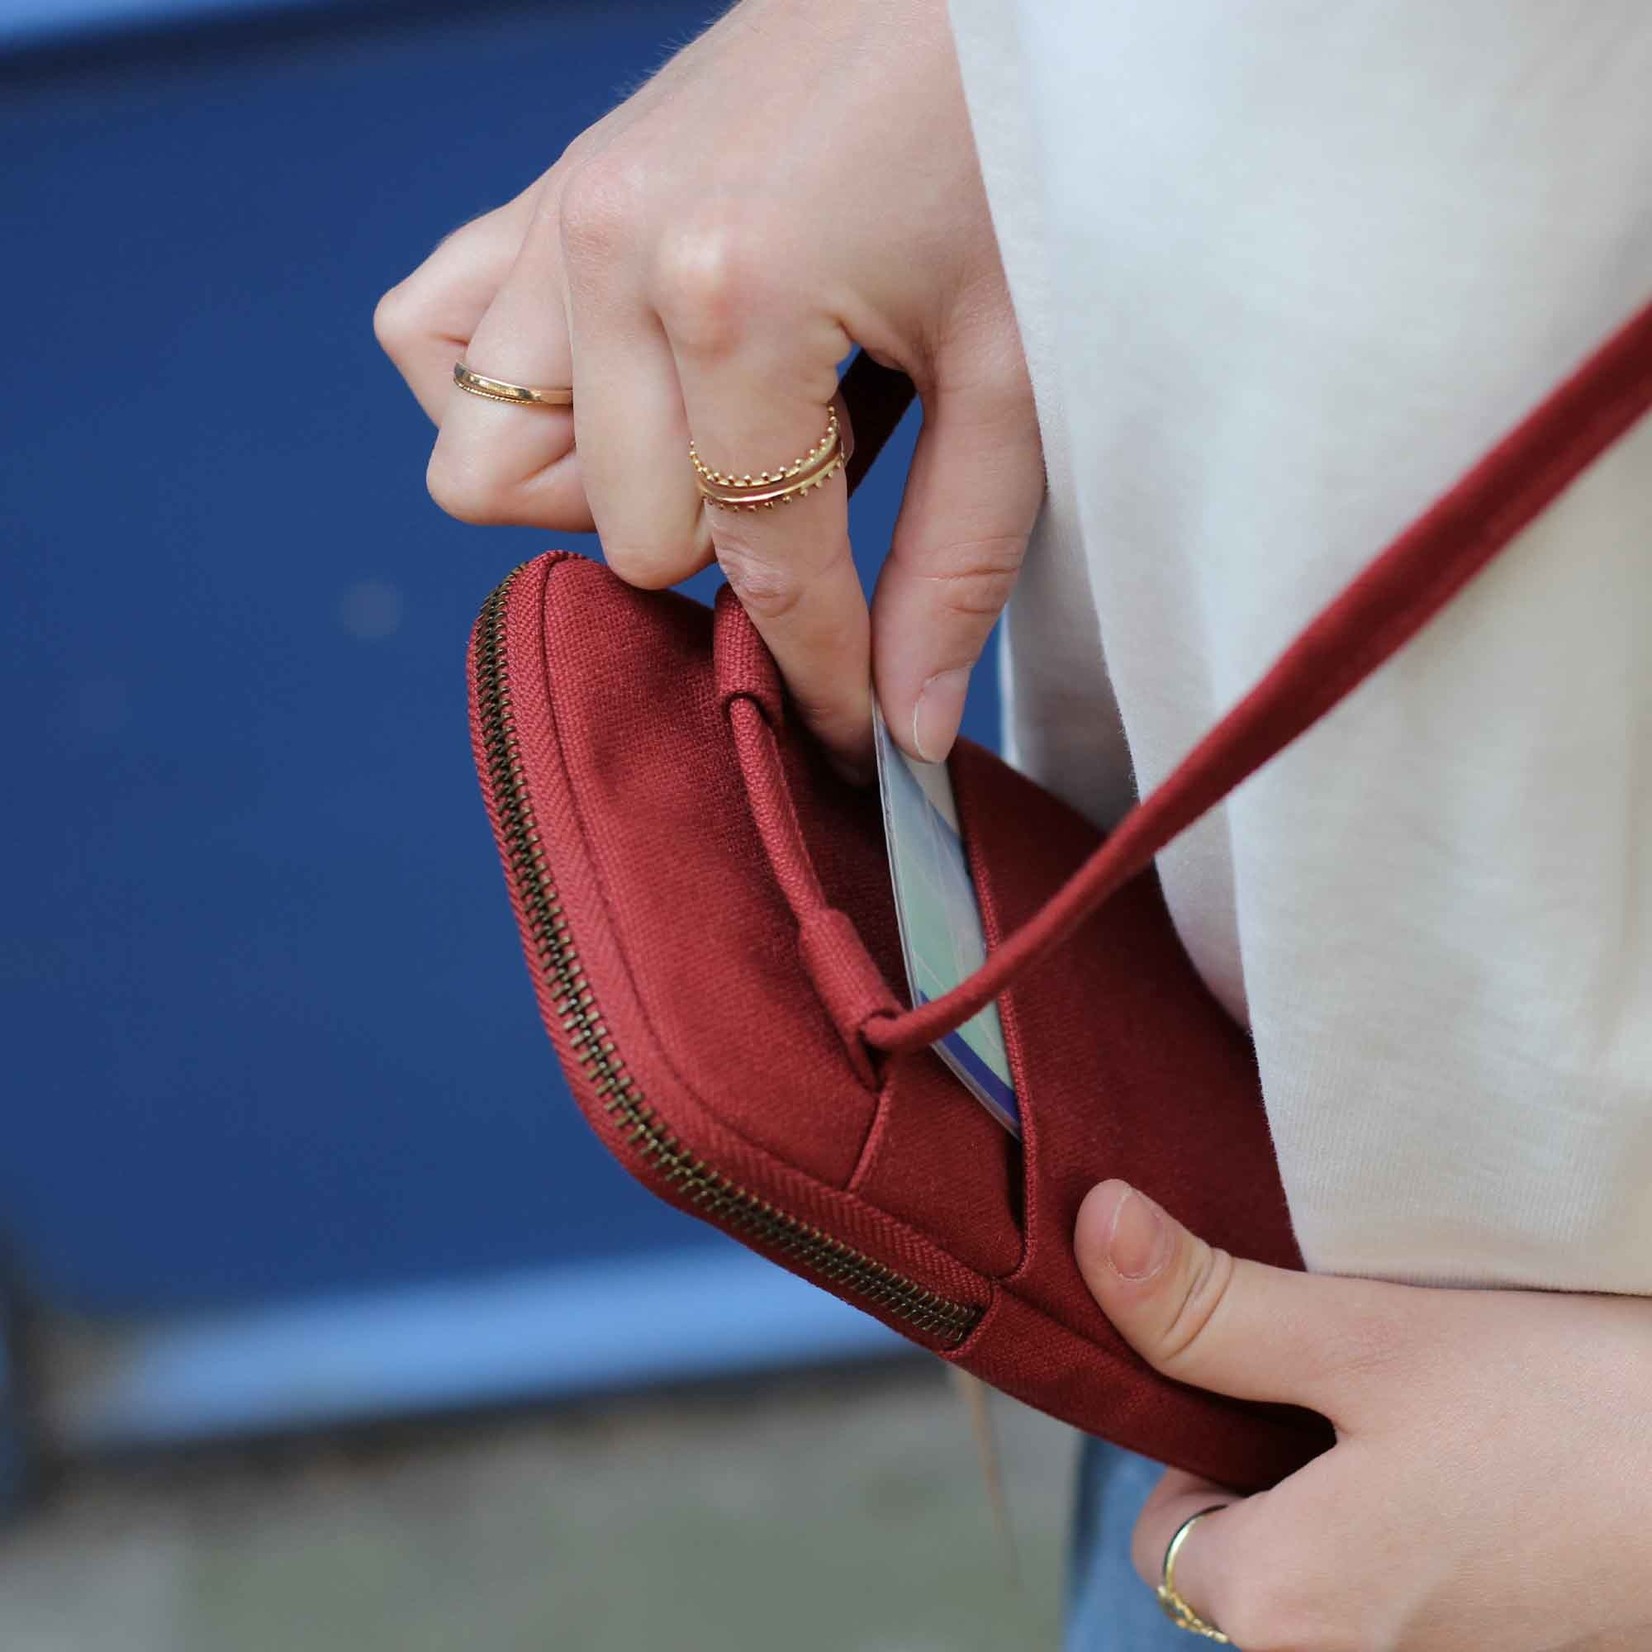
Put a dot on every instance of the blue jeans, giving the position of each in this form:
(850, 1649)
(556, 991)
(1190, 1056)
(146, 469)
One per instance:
(1109, 1608)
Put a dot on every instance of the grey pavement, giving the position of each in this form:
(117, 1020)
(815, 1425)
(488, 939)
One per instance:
(844, 1513)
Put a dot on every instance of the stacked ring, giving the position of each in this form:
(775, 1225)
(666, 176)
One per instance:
(774, 487)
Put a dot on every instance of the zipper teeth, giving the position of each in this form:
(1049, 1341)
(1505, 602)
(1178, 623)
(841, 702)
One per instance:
(713, 1195)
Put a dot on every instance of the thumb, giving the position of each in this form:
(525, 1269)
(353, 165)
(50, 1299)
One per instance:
(972, 495)
(1258, 1333)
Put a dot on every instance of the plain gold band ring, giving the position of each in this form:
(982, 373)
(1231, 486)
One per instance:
(517, 395)
(1175, 1608)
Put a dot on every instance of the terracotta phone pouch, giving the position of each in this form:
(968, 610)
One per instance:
(706, 912)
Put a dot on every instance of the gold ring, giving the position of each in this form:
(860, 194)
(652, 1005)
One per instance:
(1175, 1608)
(502, 390)
(774, 487)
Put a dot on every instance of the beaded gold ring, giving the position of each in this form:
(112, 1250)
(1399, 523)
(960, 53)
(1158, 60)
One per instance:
(767, 488)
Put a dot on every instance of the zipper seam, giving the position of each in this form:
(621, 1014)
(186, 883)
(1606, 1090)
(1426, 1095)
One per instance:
(555, 958)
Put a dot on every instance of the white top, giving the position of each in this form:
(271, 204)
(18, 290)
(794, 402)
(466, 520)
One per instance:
(1283, 273)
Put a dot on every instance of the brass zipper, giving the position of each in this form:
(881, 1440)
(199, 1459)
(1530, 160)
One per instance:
(713, 1195)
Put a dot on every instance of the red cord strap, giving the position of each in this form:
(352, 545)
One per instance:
(1386, 605)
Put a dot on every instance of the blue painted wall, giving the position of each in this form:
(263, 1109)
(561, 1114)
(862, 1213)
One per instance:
(266, 1025)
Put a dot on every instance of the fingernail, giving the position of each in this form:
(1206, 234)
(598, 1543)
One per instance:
(1139, 1244)
(940, 709)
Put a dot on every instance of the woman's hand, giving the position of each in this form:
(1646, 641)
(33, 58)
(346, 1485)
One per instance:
(799, 180)
(1491, 1485)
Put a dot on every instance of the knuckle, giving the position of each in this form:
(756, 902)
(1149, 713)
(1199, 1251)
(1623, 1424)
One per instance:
(985, 365)
(597, 211)
(580, 150)
(1005, 385)
(768, 590)
(979, 575)
(709, 279)
(396, 319)
(1203, 1287)
(649, 567)
(465, 492)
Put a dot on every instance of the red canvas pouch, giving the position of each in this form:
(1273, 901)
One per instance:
(708, 922)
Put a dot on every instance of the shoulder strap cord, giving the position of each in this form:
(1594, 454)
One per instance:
(1395, 596)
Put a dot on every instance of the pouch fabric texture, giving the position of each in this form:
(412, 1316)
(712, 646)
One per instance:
(707, 917)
